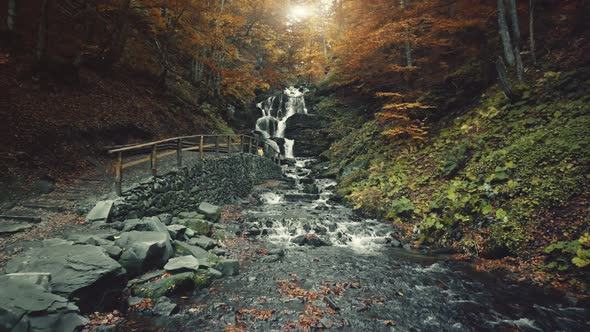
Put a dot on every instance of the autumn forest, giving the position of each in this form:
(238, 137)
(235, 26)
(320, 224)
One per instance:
(411, 154)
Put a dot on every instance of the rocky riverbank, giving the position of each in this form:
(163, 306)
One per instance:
(122, 258)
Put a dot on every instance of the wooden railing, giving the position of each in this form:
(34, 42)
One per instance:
(218, 144)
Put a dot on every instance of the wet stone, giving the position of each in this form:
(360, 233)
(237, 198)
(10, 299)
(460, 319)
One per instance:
(182, 263)
(203, 242)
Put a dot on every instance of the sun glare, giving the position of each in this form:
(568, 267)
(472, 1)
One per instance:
(299, 12)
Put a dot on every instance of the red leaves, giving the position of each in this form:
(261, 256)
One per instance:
(291, 288)
(97, 319)
(257, 314)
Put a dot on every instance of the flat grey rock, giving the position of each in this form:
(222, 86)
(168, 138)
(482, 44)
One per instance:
(94, 240)
(25, 306)
(14, 227)
(77, 271)
(205, 258)
(203, 242)
(188, 262)
(211, 212)
(100, 212)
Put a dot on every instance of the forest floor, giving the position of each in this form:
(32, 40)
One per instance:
(52, 129)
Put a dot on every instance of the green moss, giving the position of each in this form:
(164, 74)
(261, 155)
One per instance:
(165, 286)
(200, 227)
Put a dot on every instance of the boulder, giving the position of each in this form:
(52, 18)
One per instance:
(144, 250)
(308, 131)
(165, 307)
(154, 224)
(203, 242)
(135, 225)
(188, 233)
(27, 307)
(219, 251)
(198, 226)
(214, 273)
(228, 267)
(81, 272)
(205, 258)
(310, 240)
(211, 212)
(100, 212)
(173, 284)
(176, 231)
(182, 263)
(311, 188)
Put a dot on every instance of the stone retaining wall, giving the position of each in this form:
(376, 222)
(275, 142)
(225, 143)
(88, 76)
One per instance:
(218, 181)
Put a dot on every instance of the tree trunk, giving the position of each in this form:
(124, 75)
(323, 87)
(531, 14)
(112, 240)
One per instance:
(515, 28)
(11, 17)
(505, 34)
(407, 44)
(532, 30)
(41, 50)
(514, 21)
(504, 82)
(120, 37)
(90, 23)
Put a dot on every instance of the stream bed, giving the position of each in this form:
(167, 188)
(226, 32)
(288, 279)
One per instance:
(327, 269)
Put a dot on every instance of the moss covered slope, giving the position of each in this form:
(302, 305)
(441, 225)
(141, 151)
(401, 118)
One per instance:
(500, 181)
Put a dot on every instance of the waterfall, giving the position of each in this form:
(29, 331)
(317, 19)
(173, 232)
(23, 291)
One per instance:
(273, 122)
(289, 148)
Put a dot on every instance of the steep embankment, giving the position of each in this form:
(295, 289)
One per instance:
(502, 182)
(50, 128)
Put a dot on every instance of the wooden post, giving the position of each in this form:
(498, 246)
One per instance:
(228, 144)
(201, 147)
(119, 174)
(179, 153)
(250, 145)
(154, 160)
(241, 143)
(217, 146)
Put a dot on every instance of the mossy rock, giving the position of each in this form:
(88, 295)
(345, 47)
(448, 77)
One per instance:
(199, 226)
(174, 284)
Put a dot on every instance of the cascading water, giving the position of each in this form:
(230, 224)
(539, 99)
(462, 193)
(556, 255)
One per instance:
(275, 112)
(304, 244)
